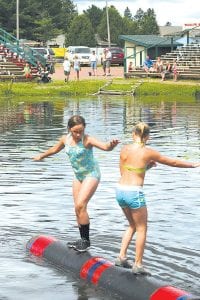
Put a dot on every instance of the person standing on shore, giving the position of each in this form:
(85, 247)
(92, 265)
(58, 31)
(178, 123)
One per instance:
(77, 66)
(135, 160)
(93, 63)
(66, 67)
(103, 61)
(79, 148)
(108, 61)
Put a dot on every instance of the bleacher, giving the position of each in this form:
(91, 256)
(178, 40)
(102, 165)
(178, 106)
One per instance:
(10, 70)
(188, 63)
(14, 56)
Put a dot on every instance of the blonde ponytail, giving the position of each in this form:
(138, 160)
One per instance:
(142, 130)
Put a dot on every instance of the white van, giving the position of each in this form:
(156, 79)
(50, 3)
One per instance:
(83, 53)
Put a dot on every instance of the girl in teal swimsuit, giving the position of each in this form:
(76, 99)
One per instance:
(79, 148)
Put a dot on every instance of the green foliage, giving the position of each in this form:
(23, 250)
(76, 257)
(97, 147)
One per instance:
(156, 88)
(81, 32)
(129, 26)
(146, 22)
(151, 91)
(45, 29)
(43, 20)
(127, 13)
(95, 15)
(56, 88)
(115, 22)
(37, 19)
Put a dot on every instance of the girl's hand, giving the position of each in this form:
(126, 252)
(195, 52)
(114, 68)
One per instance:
(151, 164)
(37, 158)
(113, 144)
(196, 165)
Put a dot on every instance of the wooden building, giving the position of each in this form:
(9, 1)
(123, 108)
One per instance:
(137, 47)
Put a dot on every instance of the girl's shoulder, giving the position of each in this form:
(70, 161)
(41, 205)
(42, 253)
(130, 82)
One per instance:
(87, 138)
(65, 138)
(126, 147)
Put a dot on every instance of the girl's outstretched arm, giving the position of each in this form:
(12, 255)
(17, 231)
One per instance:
(93, 142)
(51, 151)
(173, 162)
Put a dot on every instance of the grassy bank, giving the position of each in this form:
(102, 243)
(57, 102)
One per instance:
(89, 87)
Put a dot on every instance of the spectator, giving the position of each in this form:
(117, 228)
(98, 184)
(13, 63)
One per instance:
(148, 65)
(159, 65)
(77, 66)
(166, 70)
(27, 71)
(108, 61)
(175, 71)
(130, 67)
(103, 61)
(66, 67)
(93, 63)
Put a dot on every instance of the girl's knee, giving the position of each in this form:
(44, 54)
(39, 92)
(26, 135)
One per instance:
(79, 208)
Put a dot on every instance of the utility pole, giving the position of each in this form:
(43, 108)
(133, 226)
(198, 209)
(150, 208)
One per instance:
(108, 25)
(17, 19)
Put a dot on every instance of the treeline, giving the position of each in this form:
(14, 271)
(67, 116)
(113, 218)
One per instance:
(41, 20)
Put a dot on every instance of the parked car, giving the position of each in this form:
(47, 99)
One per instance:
(47, 53)
(83, 53)
(117, 56)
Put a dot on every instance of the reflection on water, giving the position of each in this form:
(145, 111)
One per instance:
(36, 198)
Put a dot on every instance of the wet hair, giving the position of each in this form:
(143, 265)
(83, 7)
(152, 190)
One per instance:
(76, 120)
(142, 130)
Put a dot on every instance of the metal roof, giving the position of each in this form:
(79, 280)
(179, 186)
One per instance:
(149, 41)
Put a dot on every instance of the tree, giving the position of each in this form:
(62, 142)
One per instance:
(95, 15)
(129, 26)
(37, 18)
(146, 22)
(127, 13)
(139, 15)
(45, 30)
(115, 22)
(80, 32)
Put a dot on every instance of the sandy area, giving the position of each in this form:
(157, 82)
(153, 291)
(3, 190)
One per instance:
(116, 71)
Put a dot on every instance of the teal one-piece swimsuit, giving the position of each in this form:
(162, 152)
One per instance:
(82, 160)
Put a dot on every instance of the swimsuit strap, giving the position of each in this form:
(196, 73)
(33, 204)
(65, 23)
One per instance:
(136, 170)
(69, 138)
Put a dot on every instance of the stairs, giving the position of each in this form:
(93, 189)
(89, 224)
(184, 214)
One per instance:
(14, 56)
(188, 63)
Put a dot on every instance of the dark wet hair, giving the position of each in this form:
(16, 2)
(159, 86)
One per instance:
(142, 130)
(76, 120)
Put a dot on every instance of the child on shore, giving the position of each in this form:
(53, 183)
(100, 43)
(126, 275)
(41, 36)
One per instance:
(67, 68)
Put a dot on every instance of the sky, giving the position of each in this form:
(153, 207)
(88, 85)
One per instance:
(177, 12)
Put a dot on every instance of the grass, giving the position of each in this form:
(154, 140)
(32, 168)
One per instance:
(142, 87)
(56, 88)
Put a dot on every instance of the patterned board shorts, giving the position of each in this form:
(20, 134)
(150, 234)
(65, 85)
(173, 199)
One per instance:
(130, 196)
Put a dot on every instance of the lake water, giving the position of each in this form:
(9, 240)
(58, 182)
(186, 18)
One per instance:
(36, 197)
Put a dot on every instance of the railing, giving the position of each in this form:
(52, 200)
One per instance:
(24, 51)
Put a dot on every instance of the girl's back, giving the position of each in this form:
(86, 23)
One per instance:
(134, 159)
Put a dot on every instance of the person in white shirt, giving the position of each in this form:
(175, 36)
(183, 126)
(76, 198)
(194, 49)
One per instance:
(108, 61)
(66, 67)
(93, 63)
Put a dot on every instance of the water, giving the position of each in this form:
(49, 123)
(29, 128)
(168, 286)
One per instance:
(36, 197)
